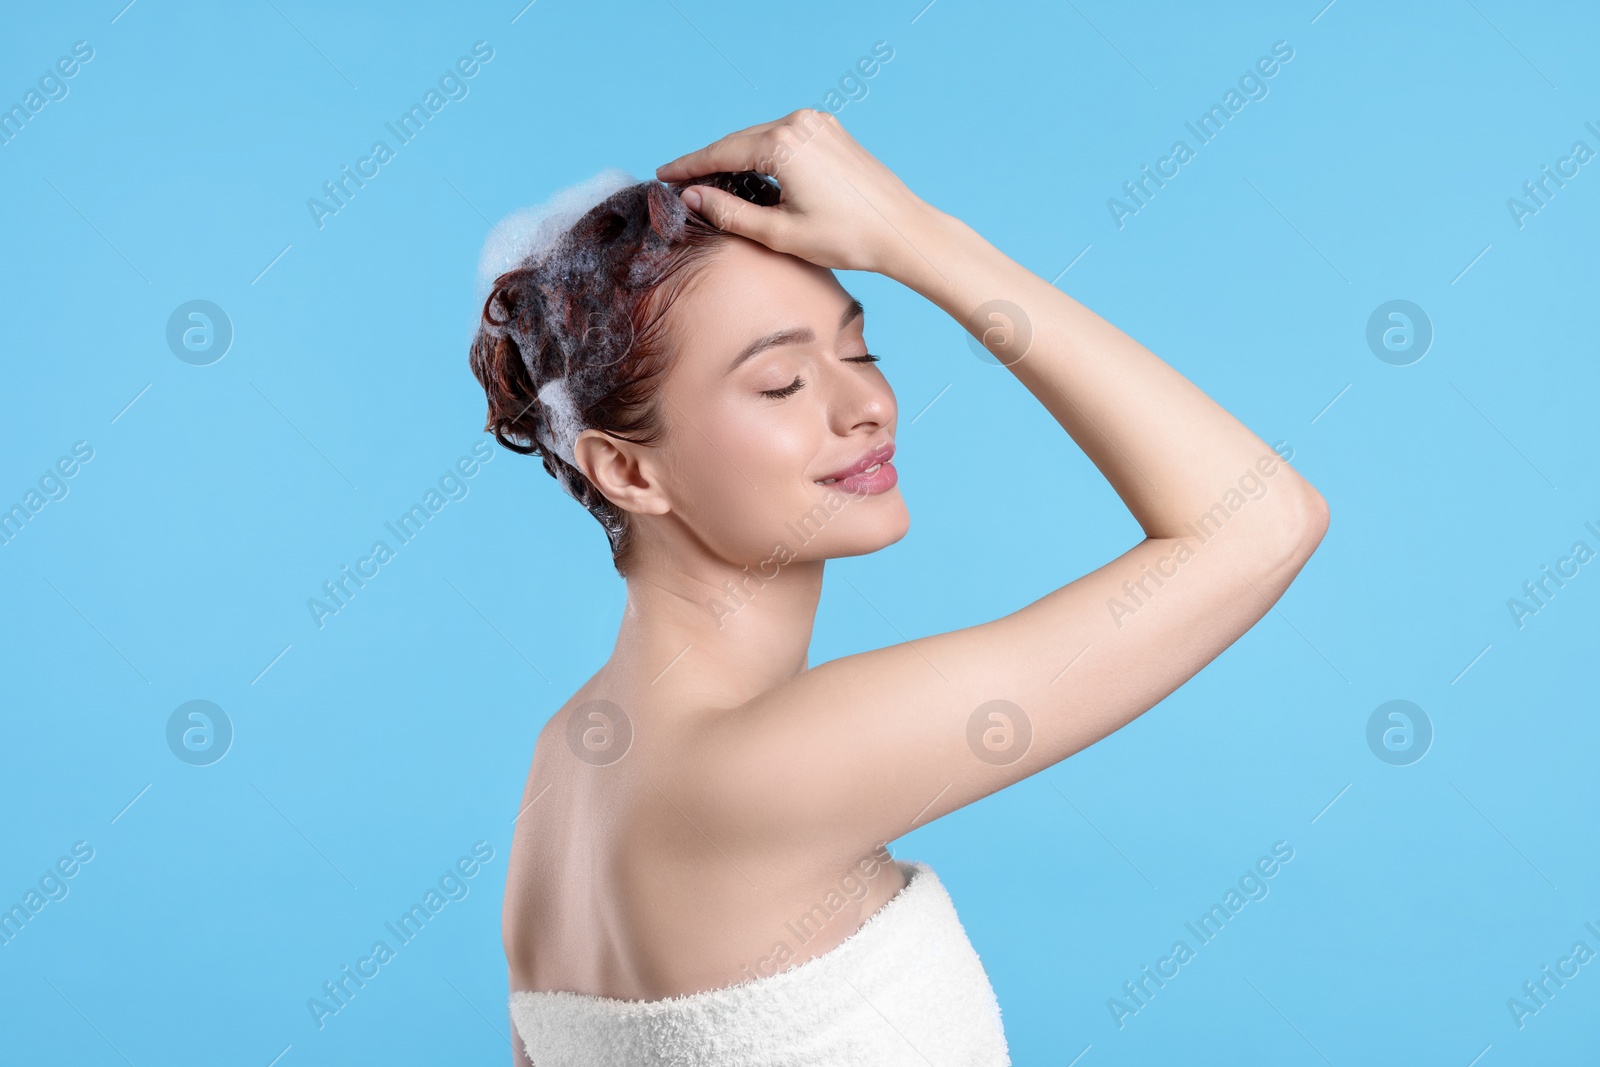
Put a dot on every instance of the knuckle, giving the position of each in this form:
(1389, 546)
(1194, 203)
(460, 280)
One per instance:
(780, 158)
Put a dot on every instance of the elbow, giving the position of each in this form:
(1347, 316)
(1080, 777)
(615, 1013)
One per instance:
(1286, 536)
(1309, 522)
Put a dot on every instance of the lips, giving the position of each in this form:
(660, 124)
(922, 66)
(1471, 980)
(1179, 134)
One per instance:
(880, 454)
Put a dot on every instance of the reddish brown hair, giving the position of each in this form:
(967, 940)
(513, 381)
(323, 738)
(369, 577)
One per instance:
(593, 309)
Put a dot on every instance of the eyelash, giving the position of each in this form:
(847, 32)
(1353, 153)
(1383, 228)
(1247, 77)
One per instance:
(794, 386)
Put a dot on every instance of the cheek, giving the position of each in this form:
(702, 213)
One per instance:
(749, 470)
(771, 445)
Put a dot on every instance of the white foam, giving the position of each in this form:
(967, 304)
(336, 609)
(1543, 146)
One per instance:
(533, 231)
(562, 417)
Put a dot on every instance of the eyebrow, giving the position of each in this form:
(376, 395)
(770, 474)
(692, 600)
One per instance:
(800, 335)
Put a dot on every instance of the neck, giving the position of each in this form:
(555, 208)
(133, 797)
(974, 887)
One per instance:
(719, 633)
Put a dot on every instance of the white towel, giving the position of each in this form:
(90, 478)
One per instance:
(907, 988)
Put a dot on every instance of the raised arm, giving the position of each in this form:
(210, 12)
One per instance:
(1170, 451)
(862, 748)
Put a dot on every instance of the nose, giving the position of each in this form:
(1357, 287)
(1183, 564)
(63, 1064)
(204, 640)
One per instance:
(859, 397)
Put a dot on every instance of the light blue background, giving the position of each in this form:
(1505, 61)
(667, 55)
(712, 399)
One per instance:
(370, 754)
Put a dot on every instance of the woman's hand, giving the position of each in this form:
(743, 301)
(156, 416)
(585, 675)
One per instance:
(840, 208)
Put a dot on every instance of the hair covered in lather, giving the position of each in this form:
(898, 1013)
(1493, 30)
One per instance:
(571, 332)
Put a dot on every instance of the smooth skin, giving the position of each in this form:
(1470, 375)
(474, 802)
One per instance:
(754, 785)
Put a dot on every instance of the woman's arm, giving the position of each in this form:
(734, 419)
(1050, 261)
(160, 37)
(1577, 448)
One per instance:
(859, 749)
(1169, 450)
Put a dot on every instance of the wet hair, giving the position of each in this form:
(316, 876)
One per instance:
(592, 308)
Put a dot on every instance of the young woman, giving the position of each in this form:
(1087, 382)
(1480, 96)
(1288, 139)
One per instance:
(698, 873)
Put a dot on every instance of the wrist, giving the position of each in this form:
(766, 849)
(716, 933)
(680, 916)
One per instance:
(924, 243)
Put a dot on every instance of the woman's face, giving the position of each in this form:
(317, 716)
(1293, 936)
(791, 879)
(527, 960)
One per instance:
(749, 436)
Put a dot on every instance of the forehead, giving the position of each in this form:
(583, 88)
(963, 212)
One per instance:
(747, 290)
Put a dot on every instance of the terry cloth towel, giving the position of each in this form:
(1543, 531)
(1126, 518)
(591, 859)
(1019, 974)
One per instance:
(907, 988)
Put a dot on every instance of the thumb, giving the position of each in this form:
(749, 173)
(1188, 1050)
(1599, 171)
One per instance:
(731, 214)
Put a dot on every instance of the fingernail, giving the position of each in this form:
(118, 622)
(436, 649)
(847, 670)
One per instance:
(692, 198)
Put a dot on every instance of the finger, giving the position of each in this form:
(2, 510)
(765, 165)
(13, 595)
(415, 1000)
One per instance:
(752, 148)
(734, 214)
(735, 152)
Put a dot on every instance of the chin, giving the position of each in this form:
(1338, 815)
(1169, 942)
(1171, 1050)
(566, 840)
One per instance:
(868, 533)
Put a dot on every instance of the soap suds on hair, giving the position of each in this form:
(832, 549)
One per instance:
(531, 232)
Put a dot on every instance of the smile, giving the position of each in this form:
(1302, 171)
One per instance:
(870, 470)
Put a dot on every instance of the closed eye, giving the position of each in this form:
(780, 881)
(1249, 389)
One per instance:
(796, 385)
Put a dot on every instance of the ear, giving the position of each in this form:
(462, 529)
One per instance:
(624, 472)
